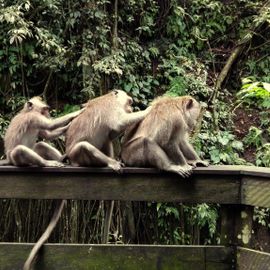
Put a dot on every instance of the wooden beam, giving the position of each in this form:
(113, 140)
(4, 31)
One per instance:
(126, 257)
(249, 259)
(214, 184)
(42, 184)
(256, 191)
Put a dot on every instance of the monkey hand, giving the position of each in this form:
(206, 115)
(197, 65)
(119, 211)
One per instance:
(148, 109)
(76, 113)
(54, 163)
(183, 171)
(115, 165)
(203, 163)
(196, 163)
(65, 128)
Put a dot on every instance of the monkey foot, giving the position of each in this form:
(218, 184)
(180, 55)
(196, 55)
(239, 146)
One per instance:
(54, 163)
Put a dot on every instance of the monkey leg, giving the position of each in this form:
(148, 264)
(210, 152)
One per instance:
(144, 151)
(190, 154)
(24, 156)
(85, 154)
(47, 151)
(176, 156)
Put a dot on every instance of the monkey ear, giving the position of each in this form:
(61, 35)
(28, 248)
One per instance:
(115, 92)
(189, 104)
(29, 105)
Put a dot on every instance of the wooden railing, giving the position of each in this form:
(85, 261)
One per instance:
(236, 188)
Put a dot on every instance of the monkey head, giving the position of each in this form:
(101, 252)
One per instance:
(123, 100)
(38, 105)
(192, 111)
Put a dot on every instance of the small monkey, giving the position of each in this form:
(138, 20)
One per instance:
(162, 138)
(89, 137)
(31, 122)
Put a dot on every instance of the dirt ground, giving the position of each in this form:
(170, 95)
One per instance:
(243, 119)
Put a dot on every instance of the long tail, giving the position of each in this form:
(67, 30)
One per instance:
(56, 215)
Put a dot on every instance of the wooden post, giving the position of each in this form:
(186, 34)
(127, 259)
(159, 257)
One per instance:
(236, 225)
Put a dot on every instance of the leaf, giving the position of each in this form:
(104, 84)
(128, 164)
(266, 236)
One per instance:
(266, 86)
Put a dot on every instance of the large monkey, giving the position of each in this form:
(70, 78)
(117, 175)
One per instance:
(89, 137)
(31, 122)
(161, 139)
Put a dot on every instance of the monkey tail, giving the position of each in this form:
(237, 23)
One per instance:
(44, 237)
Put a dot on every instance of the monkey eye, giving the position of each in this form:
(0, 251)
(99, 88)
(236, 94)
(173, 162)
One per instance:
(45, 110)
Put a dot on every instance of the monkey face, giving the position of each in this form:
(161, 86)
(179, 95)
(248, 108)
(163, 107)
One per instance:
(45, 111)
(124, 100)
(36, 104)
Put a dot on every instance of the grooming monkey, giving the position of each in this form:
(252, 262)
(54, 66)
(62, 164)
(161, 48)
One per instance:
(89, 137)
(31, 122)
(162, 138)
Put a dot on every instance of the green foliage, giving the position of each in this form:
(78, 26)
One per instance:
(255, 92)
(254, 137)
(220, 147)
(204, 215)
(201, 216)
(262, 216)
(263, 155)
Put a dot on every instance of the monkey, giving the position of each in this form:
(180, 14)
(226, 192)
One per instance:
(161, 139)
(89, 137)
(31, 122)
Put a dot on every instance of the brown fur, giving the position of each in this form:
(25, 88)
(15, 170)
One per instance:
(161, 139)
(30, 123)
(89, 137)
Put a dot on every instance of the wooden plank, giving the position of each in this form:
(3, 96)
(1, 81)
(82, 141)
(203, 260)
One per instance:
(210, 170)
(236, 225)
(214, 184)
(256, 191)
(120, 257)
(256, 171)
(216, 170)
(128, 186)
(249, 259)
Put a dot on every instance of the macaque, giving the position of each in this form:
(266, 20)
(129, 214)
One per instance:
(31, 122)
(89, 137)
(161, 140)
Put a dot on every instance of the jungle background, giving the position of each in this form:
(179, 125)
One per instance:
(69, 51)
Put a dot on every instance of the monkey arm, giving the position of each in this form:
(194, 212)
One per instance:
(188, 150)
(176, 155)
(43, 123)
(191, 155)
(132, 118)
(61, 121)
(51, 135)
(108, 149)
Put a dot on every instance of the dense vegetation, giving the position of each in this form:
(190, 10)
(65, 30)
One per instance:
(70, 51)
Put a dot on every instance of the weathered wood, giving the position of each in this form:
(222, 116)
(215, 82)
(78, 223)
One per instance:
(112, 186)
(243, 225)
(256, 191)
(120, 257)
(248, 259)
(227, 231)
(236, 225)
(212, 169)
(214, 184)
